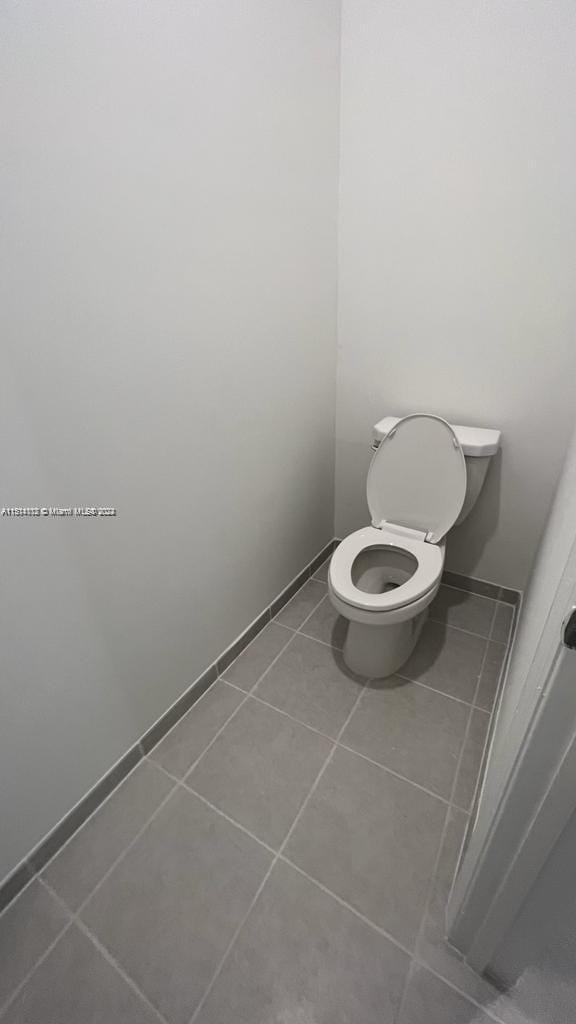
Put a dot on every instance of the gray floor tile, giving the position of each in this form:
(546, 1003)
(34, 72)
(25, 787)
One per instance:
(298, 609)
(471, 759)
(372, 839)
(249, 666)
(169, 909)
(187, 741)
(77, 985)
(411, 729)
(260, 769)
(433, 932)
(302, 957)
(464, 610)
(490, 677)
(322, 572)
(428, 1000)
(27, 927)
(447, 659)
(433, 948)
(502, 623)
(310, 681)
(325, 624)
(81, 864)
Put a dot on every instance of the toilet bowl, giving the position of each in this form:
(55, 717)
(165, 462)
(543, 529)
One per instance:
(382, 578)
(383, 582)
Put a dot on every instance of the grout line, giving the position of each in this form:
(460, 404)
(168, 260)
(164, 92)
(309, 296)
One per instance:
(145, 753)
(105, 953)
(303, 806)
(14, 995)
(81, 828)
(512, 623)
(324, 642)
(291, 635)
(440, 622)
(469, 632)
(122, 855)
(190, 789)
(315, 609)
(470, 705)
(246, 693)
(280, 856)
(314, 881)
(475, 708)
(228, 818)
(214, 738)
(249, 645)
(233, 686)
(468, 725)
(431, 881)
(434, 689)
(342, 746)
(415, 682)
(75, 920)
(297, 721)
(309, 576)
(349, 906)
(114, 864)
(288, 603)
(397, 775)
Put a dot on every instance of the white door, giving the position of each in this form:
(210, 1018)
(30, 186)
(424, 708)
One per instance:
(529, 787)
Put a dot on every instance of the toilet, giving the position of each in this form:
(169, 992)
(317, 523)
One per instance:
(425, 476)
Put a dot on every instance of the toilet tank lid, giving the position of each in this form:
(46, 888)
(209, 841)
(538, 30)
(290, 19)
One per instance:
(474, 441)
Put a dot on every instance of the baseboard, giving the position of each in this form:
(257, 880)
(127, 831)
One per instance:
(46, 849)
(481, 587)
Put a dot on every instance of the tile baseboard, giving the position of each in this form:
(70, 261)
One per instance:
(481, 587)
(37, 859)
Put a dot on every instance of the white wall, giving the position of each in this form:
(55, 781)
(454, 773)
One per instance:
(168, 315)
(457, 249)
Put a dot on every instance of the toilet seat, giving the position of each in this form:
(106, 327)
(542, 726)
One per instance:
(415, 489)
(417, 477)
(430, 559)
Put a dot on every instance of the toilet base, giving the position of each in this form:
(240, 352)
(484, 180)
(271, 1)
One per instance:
(379, 651)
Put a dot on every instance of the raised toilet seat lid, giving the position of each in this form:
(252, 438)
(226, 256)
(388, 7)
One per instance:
(417, 477)
(429, 557)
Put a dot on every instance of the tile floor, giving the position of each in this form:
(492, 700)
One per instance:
(285, 854)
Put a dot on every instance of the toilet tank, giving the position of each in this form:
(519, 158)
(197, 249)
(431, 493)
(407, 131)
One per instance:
(478, 445)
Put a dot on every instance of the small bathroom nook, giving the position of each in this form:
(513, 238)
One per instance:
(425, 477)
(288, 518)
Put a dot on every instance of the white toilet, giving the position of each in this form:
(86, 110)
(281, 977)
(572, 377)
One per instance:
(424, 477)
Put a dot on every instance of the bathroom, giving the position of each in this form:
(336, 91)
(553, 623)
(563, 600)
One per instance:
(236, 237)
